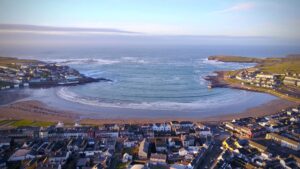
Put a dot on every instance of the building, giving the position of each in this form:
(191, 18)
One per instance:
(158, 158)
(21, 154)
(161, 127)
(285, 142)
(257, 146)
(291, 81)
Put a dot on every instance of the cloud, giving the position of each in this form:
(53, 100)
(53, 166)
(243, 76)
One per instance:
(59, 30)
(238, 7)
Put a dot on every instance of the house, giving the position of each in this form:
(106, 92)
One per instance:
(184, 130)
(179, 166)
(59, 158)
(102, 158)
(21, 154)
(175, 124)
(158, 158)
(188, 140)
(291, 81)
(83, 163)
(128, 143)
(60, 124)
(161, 145)
(4, 141)
(284, 141)
(183, 152)
(229, 144)
(174, 143)
(126, 158)
(161, 127)
(257, 146)
(106, 133)
(43, 133)
(113, 127)
(204, 132)
(186, 124)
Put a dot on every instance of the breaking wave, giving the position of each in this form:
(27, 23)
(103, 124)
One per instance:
(68, 95)
(84, 61)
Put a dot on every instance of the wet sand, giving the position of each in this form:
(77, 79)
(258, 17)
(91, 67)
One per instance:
(37, 111)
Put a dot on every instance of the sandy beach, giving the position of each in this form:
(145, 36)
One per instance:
(37, 111)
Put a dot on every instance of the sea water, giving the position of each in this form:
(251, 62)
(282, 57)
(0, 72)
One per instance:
(151, 81)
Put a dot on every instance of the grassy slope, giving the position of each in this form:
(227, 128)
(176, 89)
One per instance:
(269, 65)
(235, 59)
(286, 65)
(7, 61)
(20, 123)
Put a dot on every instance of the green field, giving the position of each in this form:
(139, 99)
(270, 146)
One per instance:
(289, 65)
(21, 123)
(235, 59)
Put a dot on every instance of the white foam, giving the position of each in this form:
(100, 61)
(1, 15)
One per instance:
(134, 60)
(211, 62)
(83, 61)
(68, 95)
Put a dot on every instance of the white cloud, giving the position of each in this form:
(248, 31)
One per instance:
(238, 7)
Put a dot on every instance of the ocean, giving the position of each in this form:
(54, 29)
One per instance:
(157, 81)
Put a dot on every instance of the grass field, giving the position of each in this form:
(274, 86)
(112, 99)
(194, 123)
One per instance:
(268, 65)
(20, 123)
(236, 59)
(292, 66)
(6, 122)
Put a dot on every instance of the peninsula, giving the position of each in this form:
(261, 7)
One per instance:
(15, 73)
(276, 76)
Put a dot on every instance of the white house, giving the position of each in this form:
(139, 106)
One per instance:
(183, 152)
(188, 124)
(128, 143)
(161, 127)
(59, 158)
(21, 154)
(126, 158)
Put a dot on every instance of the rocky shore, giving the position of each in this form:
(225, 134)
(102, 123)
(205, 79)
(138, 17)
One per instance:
(216, 80)
(81, 81)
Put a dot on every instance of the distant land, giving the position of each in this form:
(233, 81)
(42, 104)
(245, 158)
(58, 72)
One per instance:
(276, 76)
(15, 73)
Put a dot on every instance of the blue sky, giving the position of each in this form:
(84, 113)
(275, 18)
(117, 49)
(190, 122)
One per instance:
(250, 18)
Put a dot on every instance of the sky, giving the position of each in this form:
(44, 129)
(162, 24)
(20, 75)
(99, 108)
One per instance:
(261, 19)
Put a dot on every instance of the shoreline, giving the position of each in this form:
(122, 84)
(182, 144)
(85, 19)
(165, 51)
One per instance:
(36, 111)
(220, 80)
(39, 111)
(224, 78)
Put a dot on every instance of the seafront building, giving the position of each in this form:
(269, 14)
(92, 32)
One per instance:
(37, 74)
(264, 142)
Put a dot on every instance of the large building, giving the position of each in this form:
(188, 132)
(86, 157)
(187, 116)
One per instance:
(285, 142)
(291, 81)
